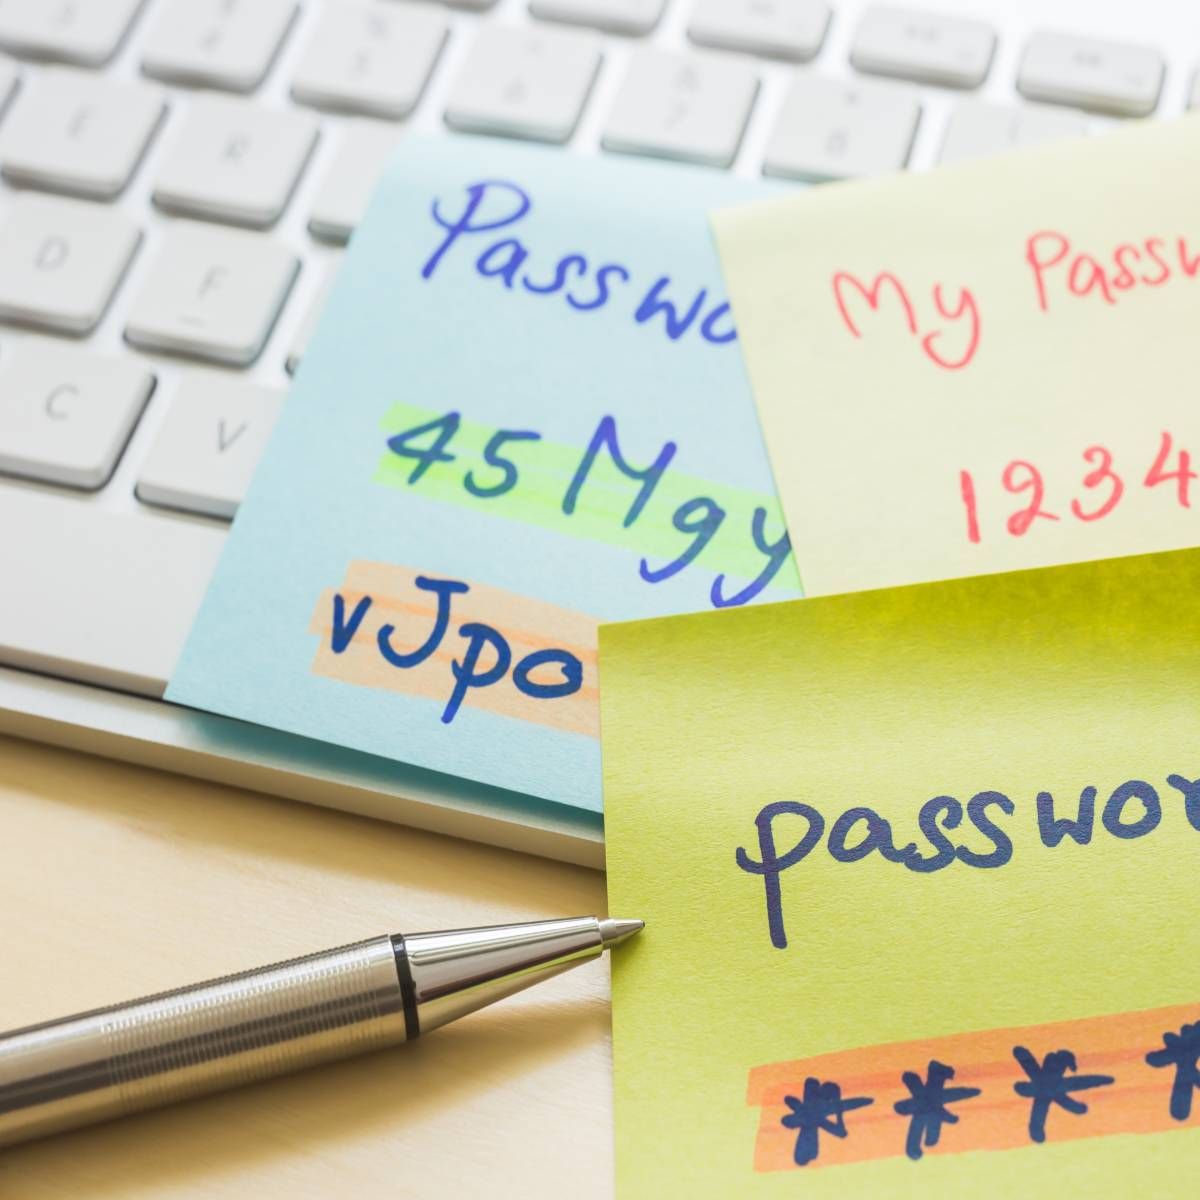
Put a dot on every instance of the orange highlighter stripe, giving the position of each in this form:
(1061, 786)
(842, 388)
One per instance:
(988, 1113)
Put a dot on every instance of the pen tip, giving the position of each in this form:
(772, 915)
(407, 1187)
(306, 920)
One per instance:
(614, 930)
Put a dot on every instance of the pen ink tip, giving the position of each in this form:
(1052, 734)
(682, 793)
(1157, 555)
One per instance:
(614, 930)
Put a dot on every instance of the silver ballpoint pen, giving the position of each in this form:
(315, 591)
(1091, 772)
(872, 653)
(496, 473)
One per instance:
(211, 1036)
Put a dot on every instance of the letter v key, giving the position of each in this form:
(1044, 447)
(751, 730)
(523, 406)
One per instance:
(225, 439)
(184, 468)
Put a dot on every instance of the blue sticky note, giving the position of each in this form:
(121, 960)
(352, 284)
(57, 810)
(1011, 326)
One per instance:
(524, 413)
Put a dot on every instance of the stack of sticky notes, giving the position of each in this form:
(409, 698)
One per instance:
(918, 856)
(919, 866)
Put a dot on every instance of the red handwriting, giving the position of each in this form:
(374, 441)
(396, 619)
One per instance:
(949, 334)
(1058, 268)
(1021, 477)
(1093, 495)
(963, 315)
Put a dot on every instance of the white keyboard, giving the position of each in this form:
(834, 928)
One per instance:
(177, 180)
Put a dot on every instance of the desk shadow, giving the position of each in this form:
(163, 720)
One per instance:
(313, 1110)
(180, 809)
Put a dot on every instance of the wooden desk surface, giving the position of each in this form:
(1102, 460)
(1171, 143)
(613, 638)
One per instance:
(116, 881)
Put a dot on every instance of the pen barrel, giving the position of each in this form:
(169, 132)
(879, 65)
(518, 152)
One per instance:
(200, 1039)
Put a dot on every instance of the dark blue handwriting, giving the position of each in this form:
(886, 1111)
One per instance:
(491, 205)
(822, 1109)
(1132, 810)
(429, 444)
(928, 1105)
(1182, 1051)
(1052, 1081)
(484, 644)
(1048, 1084)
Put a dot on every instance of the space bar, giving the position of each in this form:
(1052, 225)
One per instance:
(104, 598)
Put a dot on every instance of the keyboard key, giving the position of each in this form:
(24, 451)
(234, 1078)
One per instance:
(923, 46)
(234, 160)
(87, 32)
(679, 106)
(213, 294)
(227, 44)
(61, 261)
(341, 202)
(831, 129)
(75, 132)
(1110, 77)
(979, 127)
(790, 29)
(530, 83)
(105, 598)
(209, 444)
(66, 414)
(613, 16)
(373, 59)
(309, 325)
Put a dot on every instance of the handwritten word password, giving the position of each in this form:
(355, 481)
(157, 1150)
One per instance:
(1132, 810)
(460, 644)
(583, 284)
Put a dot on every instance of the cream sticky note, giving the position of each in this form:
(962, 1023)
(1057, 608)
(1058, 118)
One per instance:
(918, 869)
(980, 368)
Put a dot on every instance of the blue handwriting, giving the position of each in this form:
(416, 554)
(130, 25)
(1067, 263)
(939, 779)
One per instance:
(927, 1105)
(1182, 1051)
(491, 205)
(700, 518)
(1053, 1081)
(1048, 1084)
(467, 672)
(1133, 810)
(821, 1110)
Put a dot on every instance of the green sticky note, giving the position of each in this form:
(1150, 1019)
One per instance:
(919, 874)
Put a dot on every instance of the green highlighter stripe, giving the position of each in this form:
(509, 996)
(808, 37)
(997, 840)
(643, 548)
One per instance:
(544, 473)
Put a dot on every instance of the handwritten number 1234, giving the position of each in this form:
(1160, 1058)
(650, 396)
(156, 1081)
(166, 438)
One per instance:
(1100, 487)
